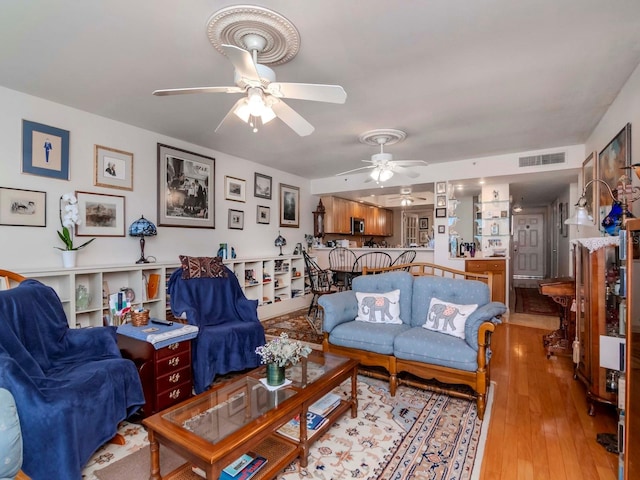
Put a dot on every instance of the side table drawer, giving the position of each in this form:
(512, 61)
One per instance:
(170, 380)
(173, 395)
(172, 363)
(173, 349)
(480, 266)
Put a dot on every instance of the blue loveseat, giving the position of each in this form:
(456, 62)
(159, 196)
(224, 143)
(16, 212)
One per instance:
(407, 346)
(71, 386)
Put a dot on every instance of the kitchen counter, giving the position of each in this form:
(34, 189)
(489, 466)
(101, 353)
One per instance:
(422, 254)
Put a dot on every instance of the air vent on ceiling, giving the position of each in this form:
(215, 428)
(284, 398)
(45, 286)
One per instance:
(546, 159)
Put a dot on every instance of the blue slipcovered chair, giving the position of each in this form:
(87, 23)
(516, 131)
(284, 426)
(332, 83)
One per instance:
(71, 386)
(228, 326)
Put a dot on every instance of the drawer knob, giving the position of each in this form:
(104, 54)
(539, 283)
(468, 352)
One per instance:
(174, 394)
(174, 378)
(173, 346)
(174, 361)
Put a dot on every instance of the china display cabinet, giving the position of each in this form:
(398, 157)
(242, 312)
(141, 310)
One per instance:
(598, 299)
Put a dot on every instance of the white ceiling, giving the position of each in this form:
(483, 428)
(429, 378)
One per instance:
(464, 79)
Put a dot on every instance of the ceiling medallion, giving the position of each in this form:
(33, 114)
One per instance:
(230, 25)
(382, 136)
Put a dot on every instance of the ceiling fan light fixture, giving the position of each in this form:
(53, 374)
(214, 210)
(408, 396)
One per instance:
(381, 174)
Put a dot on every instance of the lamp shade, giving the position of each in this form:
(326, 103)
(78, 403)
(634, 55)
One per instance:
(580, 217)
(142, 228)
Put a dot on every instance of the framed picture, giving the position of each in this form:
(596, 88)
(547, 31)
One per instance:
(611, 160)
(113, 168)
(424, 236)
(235, 189)
(101, 215)
(236, 219)
(289, 206)
(186, 188)
(590, 173)
(23, 208)
(563, 208)
(423, 223)
(440, 228)
(45, 150)
(263, 215)
(262, 186)
(441, 201)
(441, 212)
(441, 187)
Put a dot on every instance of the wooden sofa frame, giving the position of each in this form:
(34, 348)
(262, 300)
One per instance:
(446, 377)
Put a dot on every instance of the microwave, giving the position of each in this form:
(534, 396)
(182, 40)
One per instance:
(357, 226)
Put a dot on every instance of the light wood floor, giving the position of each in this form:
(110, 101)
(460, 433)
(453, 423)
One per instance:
(539, 425)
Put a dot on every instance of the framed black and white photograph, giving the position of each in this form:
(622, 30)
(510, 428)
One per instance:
(611, 160)
(263, 215)
(441, 187)
(563, 208)
(236, 219)
(441, 212)
(186, 188)
(45, 150)
(235, 189)
(23, 208)
(289, 206)
(423, 223)
(101, 215)
(262, 186)
(424, 237)
(441, 201)
(113, 168)
(440, 228)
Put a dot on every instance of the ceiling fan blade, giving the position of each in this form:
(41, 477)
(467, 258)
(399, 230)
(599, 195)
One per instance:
(292, 118)
(410, 162)
(308, 91)
(229, 113)
(242, 62)
(180, 91)
(355, 170)
(405, 171)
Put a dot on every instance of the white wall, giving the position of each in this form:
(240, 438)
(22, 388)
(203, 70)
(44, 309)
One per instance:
(33, 247)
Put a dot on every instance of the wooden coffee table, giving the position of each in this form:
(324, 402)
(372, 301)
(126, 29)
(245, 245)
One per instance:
(214, 428)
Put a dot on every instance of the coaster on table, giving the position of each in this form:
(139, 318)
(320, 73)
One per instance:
(272, 388)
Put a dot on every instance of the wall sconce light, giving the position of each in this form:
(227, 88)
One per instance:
(142, 228)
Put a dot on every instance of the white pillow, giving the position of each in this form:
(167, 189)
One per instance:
(449, 318)
(379, 307)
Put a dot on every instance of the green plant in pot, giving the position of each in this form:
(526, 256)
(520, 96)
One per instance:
(278, 353)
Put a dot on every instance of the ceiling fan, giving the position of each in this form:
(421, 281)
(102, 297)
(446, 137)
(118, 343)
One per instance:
(263, 96)
(407, 199)
(383, 166)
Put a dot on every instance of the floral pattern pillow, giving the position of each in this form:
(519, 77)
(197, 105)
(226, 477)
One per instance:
(202, 267)
(449, 318)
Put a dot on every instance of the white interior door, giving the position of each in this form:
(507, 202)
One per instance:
(528, 247)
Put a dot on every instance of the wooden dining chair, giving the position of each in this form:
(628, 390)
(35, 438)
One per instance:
(405, 258)
(341, 261)
(371, 260)
(320, 281)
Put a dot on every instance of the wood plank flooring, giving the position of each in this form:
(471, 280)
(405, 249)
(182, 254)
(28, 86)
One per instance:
(540, 428)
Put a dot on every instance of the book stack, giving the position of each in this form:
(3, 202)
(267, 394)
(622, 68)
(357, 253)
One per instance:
(242, 468)
(316, 417)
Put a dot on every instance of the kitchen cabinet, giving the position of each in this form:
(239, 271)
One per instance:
(498, 268)
(378, 221)
(338, 215)
(597, 272)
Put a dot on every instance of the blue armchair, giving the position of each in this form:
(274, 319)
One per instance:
(229, 328)
(71, 386)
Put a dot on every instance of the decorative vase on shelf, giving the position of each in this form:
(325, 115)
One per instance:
(275, 374)
(69, 258)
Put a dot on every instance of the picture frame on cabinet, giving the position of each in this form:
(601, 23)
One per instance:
(441, 212)
(45, 150)
(590, 173)
(441, 201)
(289, 206)
(101, 215)
(235, 189)
(178, 169)
(262, 186)
(440, 228)
(112, 168)
(441, 187)
(236, 219)
(423, 223)
(263, 215)
(23, 208)
(611, 160)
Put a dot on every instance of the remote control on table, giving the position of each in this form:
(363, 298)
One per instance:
(161, 321)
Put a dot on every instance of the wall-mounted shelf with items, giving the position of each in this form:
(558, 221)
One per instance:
(493, 226)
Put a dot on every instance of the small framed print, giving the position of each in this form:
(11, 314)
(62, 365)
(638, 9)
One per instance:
(503, 213)
(441, 187)
(263, 215)
(23, 208)
(236, 219)
(235, 189)
(101, 215)
(45, 150)
(113, 168)
(423, 223)
(262, 186)
(441, 212)
(424, 236)
(440, 228)
(289, 206)
(441, 201)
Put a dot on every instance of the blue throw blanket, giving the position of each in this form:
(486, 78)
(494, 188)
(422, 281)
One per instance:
(71, 386)
(229, 328)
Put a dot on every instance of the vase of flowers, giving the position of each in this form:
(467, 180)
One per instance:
(69, 218)
(278, 353)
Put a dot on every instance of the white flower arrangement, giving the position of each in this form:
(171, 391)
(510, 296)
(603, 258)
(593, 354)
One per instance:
(68, 220)
(282, 351)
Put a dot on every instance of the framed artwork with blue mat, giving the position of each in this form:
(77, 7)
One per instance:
(45, 150)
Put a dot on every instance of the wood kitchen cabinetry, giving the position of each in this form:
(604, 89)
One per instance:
(377, 221)
(498, 269)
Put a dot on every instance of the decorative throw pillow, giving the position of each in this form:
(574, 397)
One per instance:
(202, 267)
(449, 318)
(379, 307)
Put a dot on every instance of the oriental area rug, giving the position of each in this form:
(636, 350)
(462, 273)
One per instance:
(415, 435)
(531, 301)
